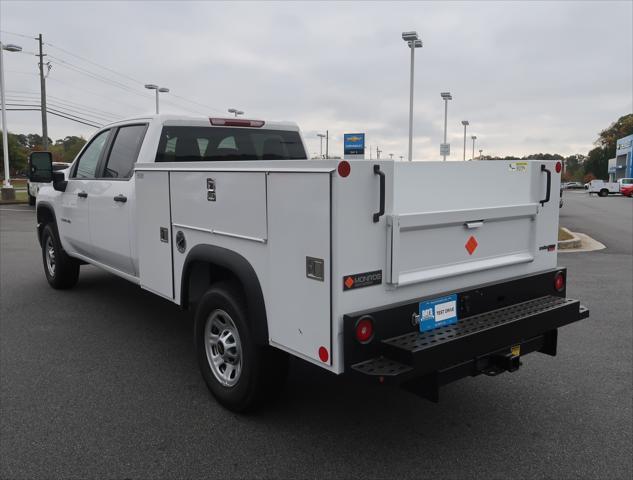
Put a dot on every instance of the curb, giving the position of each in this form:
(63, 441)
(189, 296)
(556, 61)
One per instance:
(574, 242)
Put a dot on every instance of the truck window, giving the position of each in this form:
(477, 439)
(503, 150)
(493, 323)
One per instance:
(87, 165)
(124, 152)
(195, 144)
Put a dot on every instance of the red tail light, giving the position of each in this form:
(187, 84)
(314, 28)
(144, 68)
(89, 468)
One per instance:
(559, 167)
(365, 329)
(344, 168)
(559, 282)
(236, 122)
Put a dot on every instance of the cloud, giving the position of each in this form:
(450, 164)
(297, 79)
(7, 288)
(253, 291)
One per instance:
(529, 77)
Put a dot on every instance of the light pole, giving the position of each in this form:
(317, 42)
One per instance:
(321, 137)
(235, 111)
(465, 124)
(480, 153)
(7, 189)
(474, 137)
(413, 41)
(446, 96)
(151, 86)
(401, 157)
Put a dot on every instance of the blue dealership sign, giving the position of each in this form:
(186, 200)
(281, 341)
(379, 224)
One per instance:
(354, 143)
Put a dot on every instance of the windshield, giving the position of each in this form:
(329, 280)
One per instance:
(195, 144)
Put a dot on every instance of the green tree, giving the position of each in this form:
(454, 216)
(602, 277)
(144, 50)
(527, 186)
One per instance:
(17, 154)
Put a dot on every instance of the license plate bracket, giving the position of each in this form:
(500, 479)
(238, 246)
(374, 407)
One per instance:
(438, 312)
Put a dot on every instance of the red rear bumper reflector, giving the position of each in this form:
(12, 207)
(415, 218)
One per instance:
(324, 356)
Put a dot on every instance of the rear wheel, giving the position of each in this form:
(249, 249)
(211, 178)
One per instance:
(61, 271)
(239, 373)
(603, 193)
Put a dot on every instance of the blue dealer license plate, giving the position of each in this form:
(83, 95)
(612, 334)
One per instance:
(438, 312)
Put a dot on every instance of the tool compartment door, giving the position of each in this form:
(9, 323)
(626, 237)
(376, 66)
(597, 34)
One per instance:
(487, 221)
(153, 216)
(298, 288)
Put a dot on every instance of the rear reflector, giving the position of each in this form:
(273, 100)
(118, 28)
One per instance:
(559, 282)
(344, 168)
(236, 122)
(324, 355)
(365, 329)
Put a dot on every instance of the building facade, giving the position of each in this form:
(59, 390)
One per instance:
(622, 165)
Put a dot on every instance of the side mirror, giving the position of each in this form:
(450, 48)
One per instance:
(41, 167)
(59, 181)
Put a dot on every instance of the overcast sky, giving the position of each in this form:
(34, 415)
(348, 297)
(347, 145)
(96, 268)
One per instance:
(530, 77)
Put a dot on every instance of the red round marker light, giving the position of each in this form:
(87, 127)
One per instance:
(344, 168)
(324, 356)
(364, 330)
(559, 282)
(559, 167)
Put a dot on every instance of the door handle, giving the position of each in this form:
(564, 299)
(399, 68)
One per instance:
(549, 184)
(82, 195)
(120, 198)
(381, 207)
(475, 224)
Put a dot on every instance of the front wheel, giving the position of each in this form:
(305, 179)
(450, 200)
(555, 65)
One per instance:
(603, 193)
(239, 373)
(61, 271)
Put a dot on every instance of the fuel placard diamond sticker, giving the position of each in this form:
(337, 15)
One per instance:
(471, 245)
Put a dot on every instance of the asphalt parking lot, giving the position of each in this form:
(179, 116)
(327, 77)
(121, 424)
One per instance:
(101, 381)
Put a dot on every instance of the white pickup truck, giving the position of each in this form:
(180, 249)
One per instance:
(366, 268)
(604, 189)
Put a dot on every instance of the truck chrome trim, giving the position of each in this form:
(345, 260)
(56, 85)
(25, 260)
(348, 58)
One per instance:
(243, 237)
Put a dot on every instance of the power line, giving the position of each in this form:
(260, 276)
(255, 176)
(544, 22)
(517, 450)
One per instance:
(74, 108)
(93, 63)
(62, 113)
(17, 34)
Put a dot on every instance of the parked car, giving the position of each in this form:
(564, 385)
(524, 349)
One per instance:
(573, 185)
(626, 187)
(604, 189)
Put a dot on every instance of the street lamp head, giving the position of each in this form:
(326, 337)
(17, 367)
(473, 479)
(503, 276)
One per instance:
(322, 135)
(151, 86)
(465, 122)
(415, 44)
(163, 90)
(232, 110)
(410, 36)
(239, 112)
(446, 95)
(474, 137)
(10, 47)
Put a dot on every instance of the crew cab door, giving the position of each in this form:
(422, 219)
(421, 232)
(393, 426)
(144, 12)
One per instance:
(74, 221)
(112, 199)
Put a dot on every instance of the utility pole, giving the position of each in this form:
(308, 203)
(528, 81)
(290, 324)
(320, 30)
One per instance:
(327, 144)
(43, 96)
(465, 124)
(378, 152)
(480, 154)
(474, 137)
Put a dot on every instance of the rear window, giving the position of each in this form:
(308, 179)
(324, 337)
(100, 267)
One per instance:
(195, 144)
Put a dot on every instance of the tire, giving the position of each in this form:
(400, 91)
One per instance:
(62, 271)
(603, 193)
(240, 374)
(31, 198)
